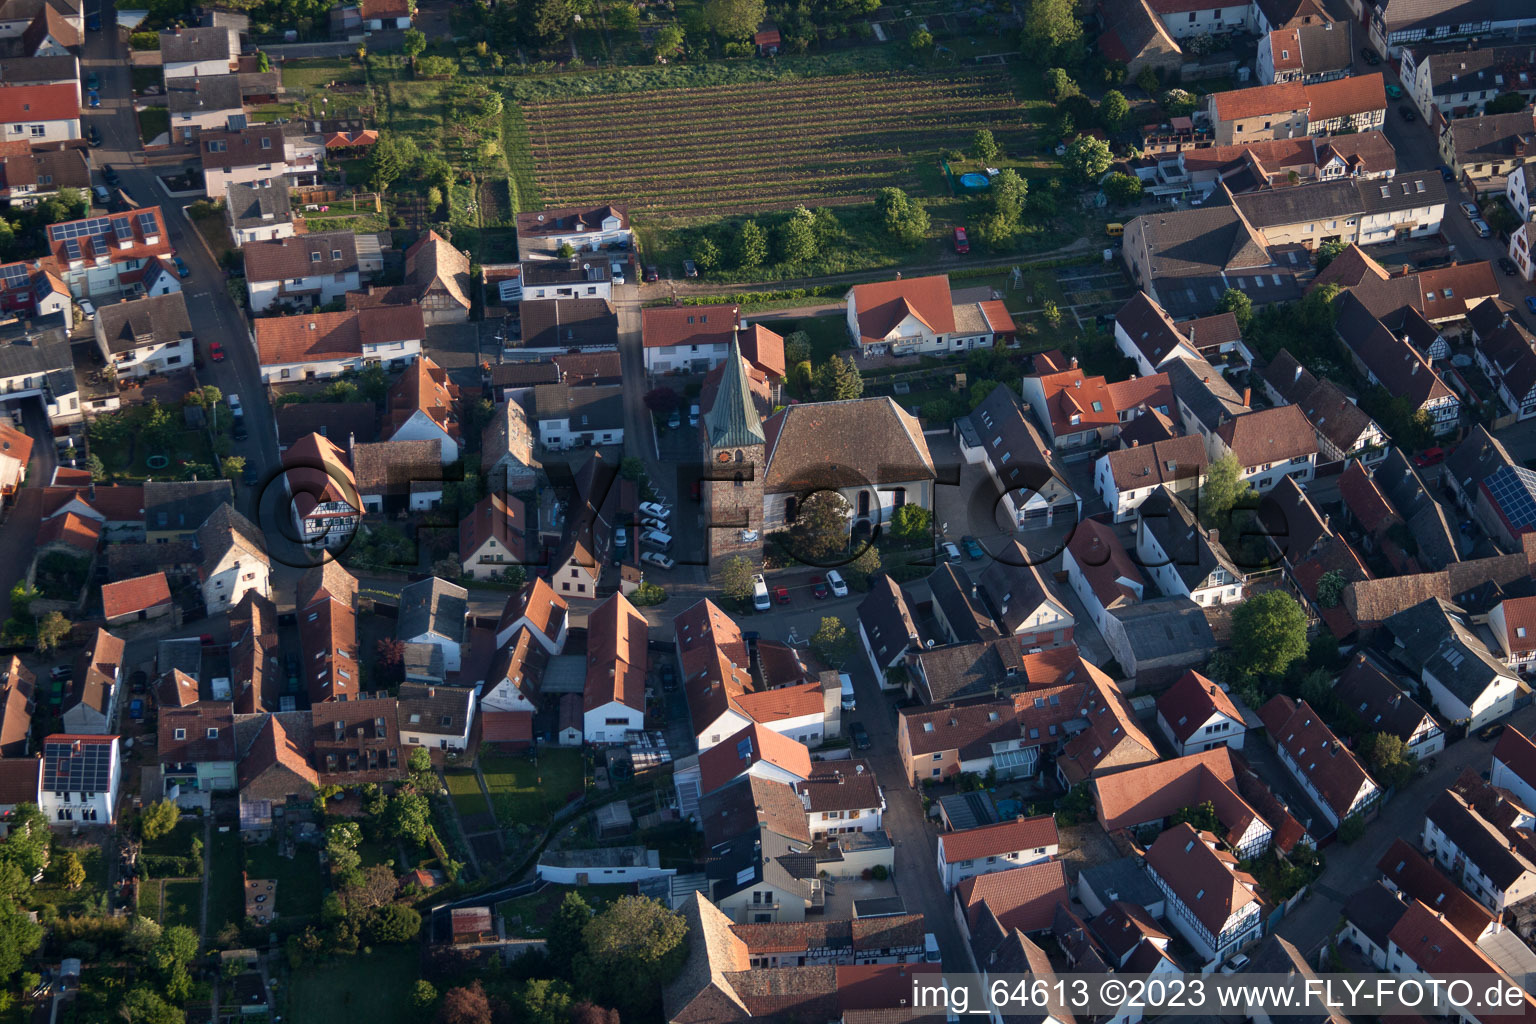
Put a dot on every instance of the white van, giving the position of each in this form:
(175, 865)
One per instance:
(931, 948)
(760, 593)
(656, 539)
(849, 703)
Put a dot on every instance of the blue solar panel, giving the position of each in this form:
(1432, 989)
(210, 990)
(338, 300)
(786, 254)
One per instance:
(43, 287)
(147, 225)
(123, 229)
(78, 767)
(81, 228)
(14, 275)
(72, 249)
(1513, 489)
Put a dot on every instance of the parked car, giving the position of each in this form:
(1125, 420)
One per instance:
(652, 274)
(951, 553)
(93, 81)
(1469, 208)
(251, 475)
(760, 593)
(1394, 92)
(1446, 172)
(1481, 227)
(620, 537)
(690, 269)
(61, 673)
(1429, 457)
(1530, 303)
(139, 684)
(93, 22)
(1507, 265)
(654, 509)
(781, 594)
(102, 194)
(216, 351)
(860, 735)
(136, 709)
(837, 583)
(93, 99)
(182, 270)
(111, 177)
(973, 549)
(93, 136)
(693, 414)
(675, 420)
(962, 243)
(239, 430)
(657, 559)
(87, 309)
(1491, 732)
(618, 273)
(234, 404)
(1406, 113)
(1370, 56)
(819, 588)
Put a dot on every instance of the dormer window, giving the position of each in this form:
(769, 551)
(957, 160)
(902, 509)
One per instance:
(314, 257)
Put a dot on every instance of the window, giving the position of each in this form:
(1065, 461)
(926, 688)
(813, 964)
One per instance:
(38, 131)
(181, 734)
(335, 254)
(266, 143)
(939, 756)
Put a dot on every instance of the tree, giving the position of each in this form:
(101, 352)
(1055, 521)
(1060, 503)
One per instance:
(751, 245)
(820, 527)
(1202, 816)
(706, 255)
(1113, 110)
(464, 1005)
(797, 238)
(1388, 759)
(389, 653)
(566, 250)
(912, 524)
(1059, 85)
(797, 347)
(623, 17)
(1239, 305)
(393, 922)
(1351, 829)
(341, 842)
(920, 41)
(1004, 210)
(734, 19)
(1224, 489)
(862, 566)
(234, 466)
(983, 145)
(141, 935)
(1330, 251)
(408, 816)
(1269, 632)
(414, 43)
(1146, 80)
(96, 468)
(633, 948)
(669, 40)
(1122, 189)
(423, 994)
(565, 939)
(832, 643)
(906, 220)
(1509, 103)
(52, 630)
(661, 401)
(547, 21)
(1051, 26)
(419, 764)
(71, 871)
(143, 1005)
(176, 947)
(1051, 313)
(586, 1012)
(387, 161)
(158, 819)
(1330, 588)
(736, 578)
(838, 379)
(1088, 158)
(545, 1001)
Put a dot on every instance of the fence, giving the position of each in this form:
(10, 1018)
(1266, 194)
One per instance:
(314, 196)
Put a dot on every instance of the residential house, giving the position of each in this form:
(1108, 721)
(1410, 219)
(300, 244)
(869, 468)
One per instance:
(1520, 192)
(1514, 766)
(135, 600)
(197, 751)
(91, 703)
(1489, 484)
(1211, 902)
(112, 255)
(1100, 571)
(274, 766)
(492, 538)
(434, 611)
(988, 848)
(897, 938)
(958, 610)
(555, 326)
(755, 750)
(1033, 485)
(917, 315)
(1129, 476)
(688, 338)
(566, 279)
(1460, 82)
(357, 742)
(1203, 399)
(423, 406)
(1368, 693)
(396, 476)
(198, 103)
(1292, 109)
(1113, 740)
(302, 271)
(79, 779)
(1353, 210)
(1471, 832)
(990, 666)
(1322, 765)
(15, 453)
(1183, 557)
(198, 52)
(1507, 356)
(36, 359)
(258, 210)
(1147, 335)
(437, 276)
(1306, 53)
(146, 336)
(1196, 715)
(326, 608)
(1270, 163)
(588, 532)
(1422, 942)
(40, 113)
(382, 15)
(1080, 414)
(60, 69)
(18, 701)
(578, 417)
(1134, 36)
(507, 462)
(255, 153)
(1391, 362)
(613, 698)
(1482, 150)
(535, 607)
(29, 175)
(1513, 623)
(1343, 429)
(841, 798)
(756, 866)
(1022, 898)
(1023, 603)
(887, 628)
(319, 346)
(541, 233)
(938, 742)
(326, 503)
(436, 716)
(1414, 877)
(1466, 682)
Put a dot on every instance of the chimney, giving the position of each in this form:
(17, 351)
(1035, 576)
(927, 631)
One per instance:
(1135, 443)
(431, 691)
(1247, 396)
(1297, 375)
(1074, 362)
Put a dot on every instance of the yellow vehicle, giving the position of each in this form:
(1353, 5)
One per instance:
(1114, 230)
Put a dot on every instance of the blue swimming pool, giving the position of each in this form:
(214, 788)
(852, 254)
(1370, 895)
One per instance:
(974, 180)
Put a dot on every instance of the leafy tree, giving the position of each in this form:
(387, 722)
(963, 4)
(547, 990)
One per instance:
(706, 255)
(1051, 313)
(797, 238)
(234, 466)
(414, 43)
(389, 652)
(52, 630)
(423, 994)
(1146, 81)
(177, 947)
(464, 1005)
(1088, 158)
(623, 17)
(71, 871)
(1122, 189)
(862, 566)
(1269, 632)
(443, 67)
(566, 251)
(587, 1012)
(734, 19)
(143, 1005)
(13, 884)
(141, 936)
(1351, 829)
(1388, 759)
(1330, 588)
(158, 820)
(263, 62)
(408, 816)
(797, 347)
(983, 145)
(1051, 26)
(669, 40)
(1509, 103)
(633, 948)
(387, 161)
(912, 524)
(341, 842)
(1330, 251)
(736, 578)
(545, 1001)
(566, 934)
(820, 529)
(1224, 490)
(1059, 85)
(1202, 816)
(751, 245)
(832, 643)
(419, 764)
(394, 922)
(1114, 109)
(906, 220)
(547, 21)
(838, 379)
(96, 468)
(1239, 305)
(920, 41)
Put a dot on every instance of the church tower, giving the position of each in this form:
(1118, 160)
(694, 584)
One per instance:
(734, 463)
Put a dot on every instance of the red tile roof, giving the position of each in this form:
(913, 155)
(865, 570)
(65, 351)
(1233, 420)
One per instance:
(494, 517)
(1283, 97)
(126, 597)
(735, 754)
(1272, 436)
(18, 779)
(1189, 703)
(351, 140)
(1203, 878)
(995, 312)
(506, 726)
(31, 103)
(1430, 943)
(1103, 561)
(1451, 291)
(1517, 751)
(1316, 751)
(424, 387)
(763, 349)
(884, 304)
(784, 702)
(142, 243)
(1024, 898)
(617, 653)
(1417, 877)
(1364, 499)
(662, 326)
(537, 600)
(1001, 838)
(335, 336)
(70, 528)
(317, 473)
(1113, 739)
(1344, 96)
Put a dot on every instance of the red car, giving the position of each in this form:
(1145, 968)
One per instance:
(216, 350)
(819, 587)
(781, 595)
(1429, 457)
(962, 244)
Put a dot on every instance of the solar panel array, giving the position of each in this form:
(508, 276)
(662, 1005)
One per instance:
(72, 249)
(147, 225)
(88, 228)
(1514, 489)
(123, 229)
(87, 769)
(13, 275)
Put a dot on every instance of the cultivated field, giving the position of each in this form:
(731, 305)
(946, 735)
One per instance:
(760, 146)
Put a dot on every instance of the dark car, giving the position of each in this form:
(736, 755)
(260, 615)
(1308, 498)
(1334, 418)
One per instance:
(1446, 172)
(652, 274)
(1508, 266)
(93, 82)
(1370, 56)
(1406, 113)
(93, 136)
(251, 475)
(110, 176)
(182, 270)
(240, 432)
(93, 22)
(690, 268)
(973, 548)
(1491, 732)
(860, 735)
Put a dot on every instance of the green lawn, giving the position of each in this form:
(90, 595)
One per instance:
(528, 916)
(300, 881)
(51, 890)
(183, 903)
(375, 987)
(177, 842)
(828, 334)
(153, 122)
(465, 790)
(530, 793)
(319, 72)
(226, 890)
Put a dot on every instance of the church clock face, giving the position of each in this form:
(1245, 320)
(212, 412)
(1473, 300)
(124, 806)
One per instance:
(724, 457)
